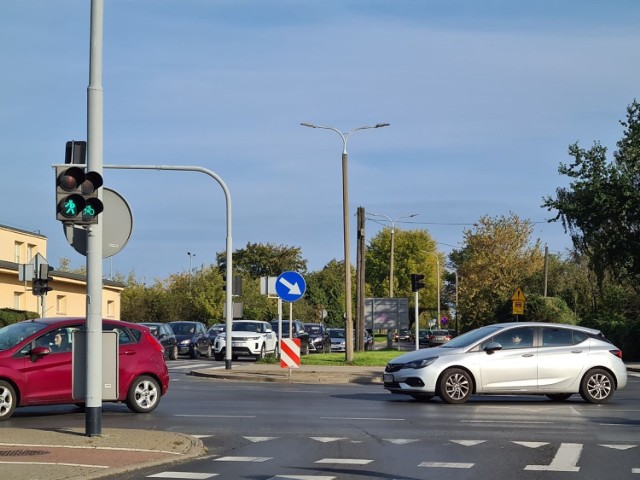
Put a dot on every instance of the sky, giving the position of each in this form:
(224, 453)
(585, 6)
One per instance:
(483, 99)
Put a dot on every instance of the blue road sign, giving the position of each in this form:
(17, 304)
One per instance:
(290, 286)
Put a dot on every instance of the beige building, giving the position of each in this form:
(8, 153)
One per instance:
(68, 295)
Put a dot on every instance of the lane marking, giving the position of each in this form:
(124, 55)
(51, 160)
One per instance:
(242, 459)
(345, 461)
(468, 443)
(401, 441)
(55, 463)
(213, 416)
(445, 465)
(185, 475)
(304, 477)
(618, 447)
(565, 459)
(368, 419)
(260, 439)
(328, 439)
(531, 444)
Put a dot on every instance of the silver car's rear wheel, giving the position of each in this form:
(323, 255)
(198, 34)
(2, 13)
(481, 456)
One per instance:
(597, 386)
(455, 386)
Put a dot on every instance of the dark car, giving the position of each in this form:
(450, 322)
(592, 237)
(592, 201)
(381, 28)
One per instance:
(298, 332)
(215, 330)
(165, 335)
(405, 335)
(36, 366)
(192, 338)
(423, 337)
(319, 340)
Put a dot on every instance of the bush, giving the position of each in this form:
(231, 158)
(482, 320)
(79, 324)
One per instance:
(9, 316)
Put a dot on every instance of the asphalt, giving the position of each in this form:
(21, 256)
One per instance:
(59, 454)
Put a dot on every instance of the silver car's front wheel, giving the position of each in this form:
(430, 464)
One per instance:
(597, 386)
(455, 386)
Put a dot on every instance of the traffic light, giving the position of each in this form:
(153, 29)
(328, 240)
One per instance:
(236, 284)
(77, 195)
(417, 282)
(75, 152)
(40, 283)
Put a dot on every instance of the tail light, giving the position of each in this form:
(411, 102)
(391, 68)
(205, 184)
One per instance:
(617, 353)
(157, 346)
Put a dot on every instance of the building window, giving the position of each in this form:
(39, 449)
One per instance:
(61, 305)
(17, 252)
(18, 300)
(110, 308)
(31, 252)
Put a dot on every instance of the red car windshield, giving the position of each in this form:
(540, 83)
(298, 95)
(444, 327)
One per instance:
(13, 334)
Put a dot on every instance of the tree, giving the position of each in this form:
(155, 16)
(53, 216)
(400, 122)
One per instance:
(414, 252)
(264, 260)
(601, 207)
(325, 293)
(497, 257)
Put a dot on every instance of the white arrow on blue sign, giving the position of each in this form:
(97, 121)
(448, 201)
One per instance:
(290, 286)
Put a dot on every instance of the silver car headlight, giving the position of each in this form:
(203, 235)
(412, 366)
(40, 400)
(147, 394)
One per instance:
(420, 363)
(185, 342)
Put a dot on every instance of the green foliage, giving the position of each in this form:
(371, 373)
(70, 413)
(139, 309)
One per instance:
(325, 292)
(9, 316)
(414, 252)
(263, 260)
(601, 206)
(498, 256)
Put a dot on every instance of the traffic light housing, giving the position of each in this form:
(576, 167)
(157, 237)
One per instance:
(417, 282)
(77, 199)
(236, 284)
(40, 284)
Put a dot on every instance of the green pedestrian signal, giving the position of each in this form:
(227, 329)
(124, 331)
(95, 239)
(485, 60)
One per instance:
(77, 199)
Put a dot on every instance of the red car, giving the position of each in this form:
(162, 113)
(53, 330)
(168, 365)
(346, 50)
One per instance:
(36, 364)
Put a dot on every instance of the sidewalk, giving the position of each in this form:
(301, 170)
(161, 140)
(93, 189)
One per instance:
(69, 454)
(63, 454)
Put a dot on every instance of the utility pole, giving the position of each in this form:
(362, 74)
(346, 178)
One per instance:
(360, 281)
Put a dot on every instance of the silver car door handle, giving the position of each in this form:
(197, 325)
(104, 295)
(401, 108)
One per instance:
(527, 354)
(576, 351)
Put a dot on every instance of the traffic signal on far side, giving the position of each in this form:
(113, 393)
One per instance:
(417, 282)
(77, 199)
(40, 284)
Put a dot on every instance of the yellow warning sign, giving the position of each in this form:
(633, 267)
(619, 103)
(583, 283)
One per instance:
(518, 295)
(517, 301)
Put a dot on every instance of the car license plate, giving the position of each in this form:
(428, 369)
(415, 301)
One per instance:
(387, 378)
(237, 344)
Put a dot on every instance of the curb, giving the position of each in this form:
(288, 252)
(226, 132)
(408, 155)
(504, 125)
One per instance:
(196, 449)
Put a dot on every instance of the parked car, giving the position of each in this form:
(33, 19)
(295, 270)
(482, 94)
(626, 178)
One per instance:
(439, 337)
(192, 338)
(297, 332)
(215, 330)
(165, 335)
(423, 337)
(549, 359)
(404, 335)
(249, 338)
(36, 364)
(337, 339)
(319, 340)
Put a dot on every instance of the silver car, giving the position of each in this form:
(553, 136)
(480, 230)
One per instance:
(549, 359)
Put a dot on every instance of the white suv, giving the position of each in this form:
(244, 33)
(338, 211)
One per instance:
(250, 338)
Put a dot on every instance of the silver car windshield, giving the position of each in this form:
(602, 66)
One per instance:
(13, 334)
(472, 337)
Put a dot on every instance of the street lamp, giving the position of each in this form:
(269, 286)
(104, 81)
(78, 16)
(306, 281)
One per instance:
(345, 217)
(393, 227)
(191, 255)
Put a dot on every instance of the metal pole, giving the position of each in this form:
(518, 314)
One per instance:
(416, 313)
(391, 262)
(229, 255)
(93, 399)
(438, 287)
(546, 268)
(345, 219)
